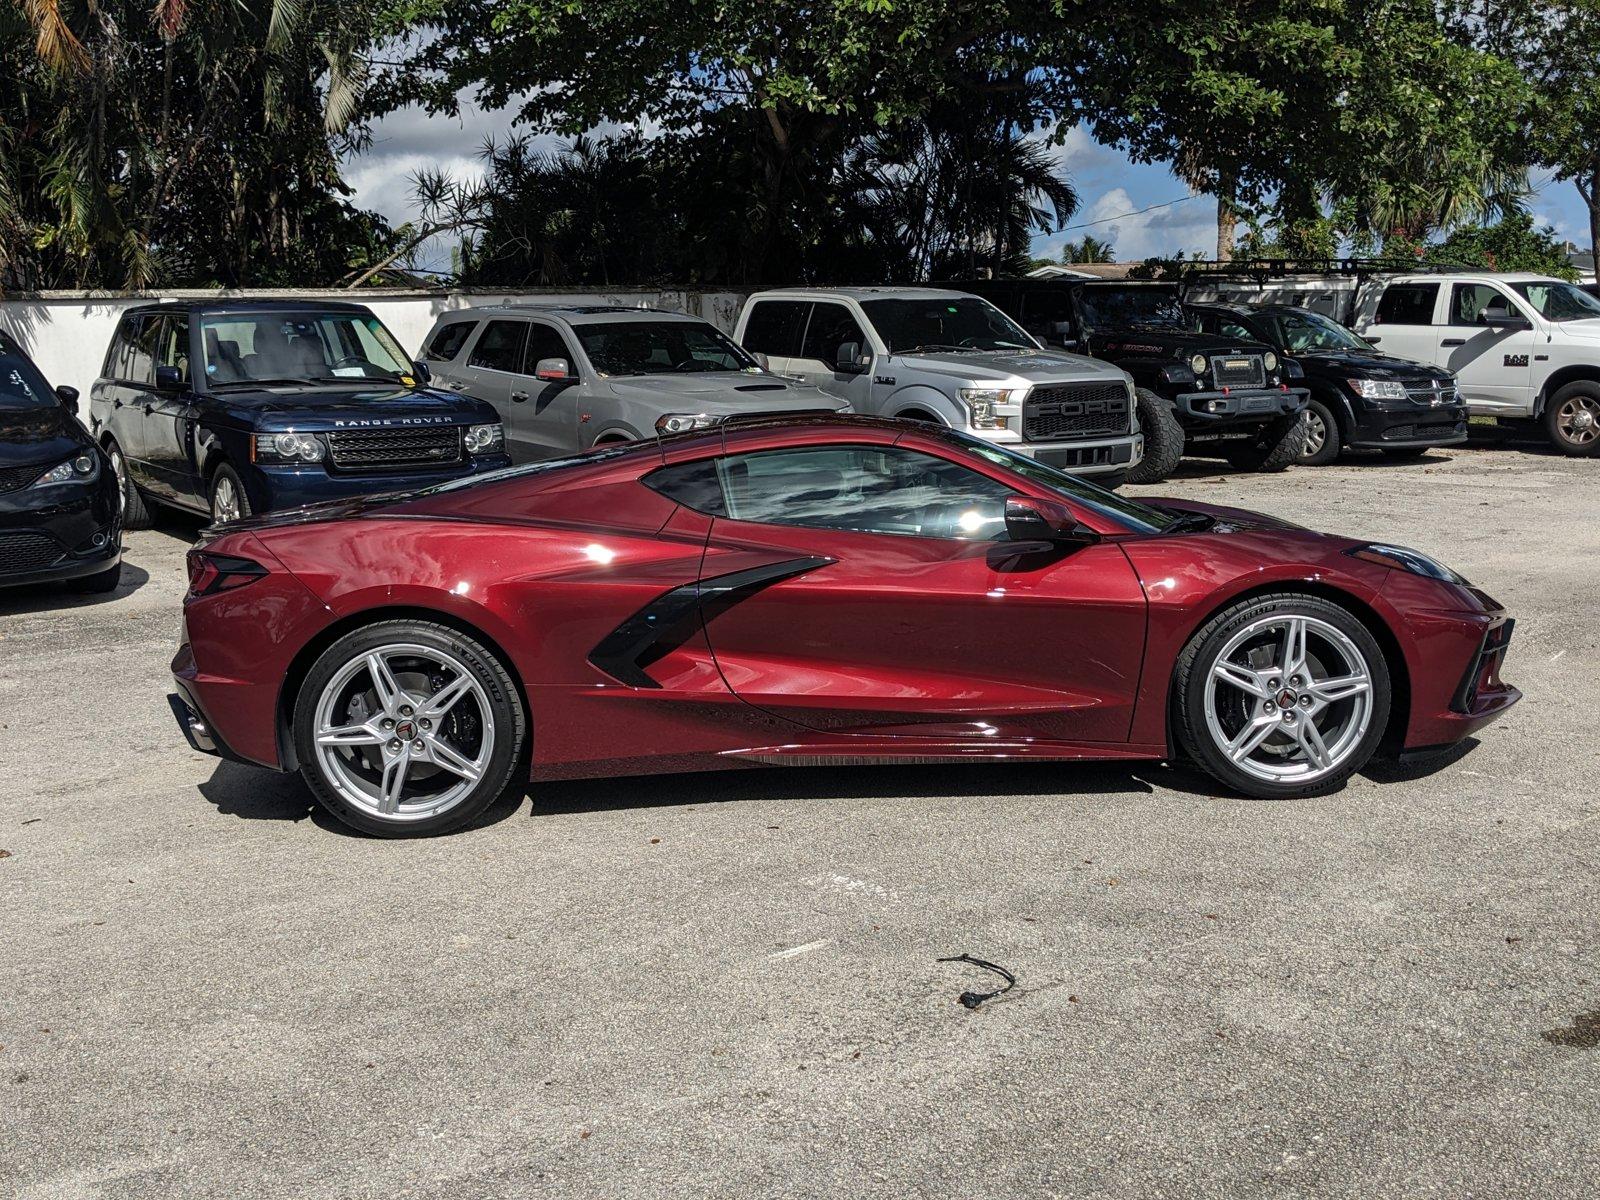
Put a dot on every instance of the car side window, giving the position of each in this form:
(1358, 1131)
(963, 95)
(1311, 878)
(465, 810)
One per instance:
(831, 326)
(864, 489)
(172, 345)
(1233, 329)
(1407, 304)
(447, 343)
(499, 346)
(544, 341)
(774, 327)
(140, 365)
(120, 356)
(1047, 314)
(1468, 300)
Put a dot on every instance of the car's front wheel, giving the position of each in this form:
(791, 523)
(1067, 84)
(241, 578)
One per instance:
(406, 728)
(1323, 440)
(1282, 696)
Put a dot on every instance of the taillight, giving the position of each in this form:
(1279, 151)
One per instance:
(213, 573)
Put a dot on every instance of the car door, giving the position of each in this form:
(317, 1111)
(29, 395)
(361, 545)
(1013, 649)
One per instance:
(493, 372)
(546, 415)
(170, 415)
(135, 398)
(869, 590)
(109, 400)
(1493, 366)
(830, 326)
(1404, 322)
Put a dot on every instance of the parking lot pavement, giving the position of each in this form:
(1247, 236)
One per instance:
(726, 985)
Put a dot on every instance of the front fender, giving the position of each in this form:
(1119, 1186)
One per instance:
(919, 396)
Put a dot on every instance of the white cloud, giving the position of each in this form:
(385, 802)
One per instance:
(1189, 226)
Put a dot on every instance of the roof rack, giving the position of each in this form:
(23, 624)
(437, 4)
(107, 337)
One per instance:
(1262, 269)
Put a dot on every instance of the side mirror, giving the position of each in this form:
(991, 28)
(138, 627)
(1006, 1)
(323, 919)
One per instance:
(422, 371)
(69, 398)
(762, 360)
(851, 359)
(554, 370)
(1500, 316)
(1045, 521)
(168, 379)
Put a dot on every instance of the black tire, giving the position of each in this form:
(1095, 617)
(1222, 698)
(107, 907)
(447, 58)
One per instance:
(98, 584)
(505, 769)
(1273, 449)
(135, 509)
(222, 481)
(1406, 453)
(1195, 664)
(1324, 440)
(1163, 438)
(1110, 481)
(1572, 419)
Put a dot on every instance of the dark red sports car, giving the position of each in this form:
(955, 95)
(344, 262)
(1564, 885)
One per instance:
(837, 590)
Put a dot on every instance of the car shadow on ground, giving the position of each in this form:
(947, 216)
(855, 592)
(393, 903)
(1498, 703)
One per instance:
(57, 597)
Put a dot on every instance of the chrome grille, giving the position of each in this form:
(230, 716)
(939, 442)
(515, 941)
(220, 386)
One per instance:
(376, 449)
(1066, 410)
(27, 550)
(12, 478)
(1431, 392)
(1239, 370)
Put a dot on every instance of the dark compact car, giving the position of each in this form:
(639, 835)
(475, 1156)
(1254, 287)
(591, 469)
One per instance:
(248, 406)
(58, 495)
(1361, 398)
(1196, 391)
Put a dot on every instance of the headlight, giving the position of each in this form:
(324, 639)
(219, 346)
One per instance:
(485, 439)
(984, 403)
(81, 469)
(1402, 558)
(1197, 364)
(1378, 389)
(684, 422)
(286, 448)
(1270, 361)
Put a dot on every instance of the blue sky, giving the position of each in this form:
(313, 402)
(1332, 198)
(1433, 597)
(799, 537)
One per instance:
(1111, 189)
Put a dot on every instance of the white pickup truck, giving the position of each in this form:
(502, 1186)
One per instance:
(1522, 347)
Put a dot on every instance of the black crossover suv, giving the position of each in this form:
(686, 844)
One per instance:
(58, 497)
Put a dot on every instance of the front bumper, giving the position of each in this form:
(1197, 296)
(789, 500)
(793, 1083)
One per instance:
(1215, 410)
(1410, 427)
(68, 531)
(280, 486)
(1102, 456)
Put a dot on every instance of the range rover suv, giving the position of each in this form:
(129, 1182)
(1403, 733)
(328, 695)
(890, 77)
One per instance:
(567, 377)
(1197, 392)
(241, 407)
(929, 354)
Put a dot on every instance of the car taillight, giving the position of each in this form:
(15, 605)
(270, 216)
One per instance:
(213, 573)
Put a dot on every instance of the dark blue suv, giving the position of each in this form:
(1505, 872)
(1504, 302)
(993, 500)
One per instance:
(242, 407)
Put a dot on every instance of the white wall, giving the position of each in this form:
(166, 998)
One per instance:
(67, 332)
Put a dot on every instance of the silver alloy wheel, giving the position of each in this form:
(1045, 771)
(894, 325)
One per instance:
(1316, 434)
(1289, 699)
(121, 472)
(404, 732)
(1578, 420)
(225, 501)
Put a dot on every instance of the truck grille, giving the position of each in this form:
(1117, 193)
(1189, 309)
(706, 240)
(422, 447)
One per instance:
(1239, 370)
(27, 551)
(1072, 410)
(13, 478)
(376, 449)
(1431, 392)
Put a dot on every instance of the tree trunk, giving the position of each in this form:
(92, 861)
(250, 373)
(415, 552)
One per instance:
(1591, 200)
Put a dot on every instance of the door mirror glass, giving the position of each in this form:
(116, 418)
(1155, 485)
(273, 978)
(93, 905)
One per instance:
(423, 371)
(852, 360)
(554, 370)
(168, 379)
(1045, 521)
(69, 398)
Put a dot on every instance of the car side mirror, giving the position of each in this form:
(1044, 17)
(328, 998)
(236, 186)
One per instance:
(554, 370)
(68, 396)
(168, 379)
(1045, 521)
(423, 372)
(1500, 316)
(762, 360)
(851, 359)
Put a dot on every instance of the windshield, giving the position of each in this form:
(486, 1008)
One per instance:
(337, 347)
(1559, 301)
(660, 348)
(1130, 307)
(21, 385)
(1295, 332)
(1138, 518)
(947, 323)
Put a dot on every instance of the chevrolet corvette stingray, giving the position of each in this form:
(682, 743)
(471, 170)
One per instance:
(801, 590)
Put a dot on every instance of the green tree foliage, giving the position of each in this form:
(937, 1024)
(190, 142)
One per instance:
(1511, 244)
(1088, 249)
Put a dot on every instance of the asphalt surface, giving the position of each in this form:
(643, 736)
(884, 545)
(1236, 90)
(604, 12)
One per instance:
(727, 985)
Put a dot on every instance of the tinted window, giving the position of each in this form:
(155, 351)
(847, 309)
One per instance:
(866, 489)
(140, 366)
(774, 327)
(660, 347)
(1047, 313)
(21, 385)
(119, 358)
(448, 341)
(694, 485)
(943, 323)
(544, 342)
(1407, 304)
(1114, 307)
(500, 346)
(831, 326)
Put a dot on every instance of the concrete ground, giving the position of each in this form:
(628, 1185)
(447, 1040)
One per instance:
(728, 986)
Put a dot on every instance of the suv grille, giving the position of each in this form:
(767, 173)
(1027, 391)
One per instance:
(375, 449)
(1431, 392)
(1239, 370)
(1068, 410)
(27, 551)
(13, 478)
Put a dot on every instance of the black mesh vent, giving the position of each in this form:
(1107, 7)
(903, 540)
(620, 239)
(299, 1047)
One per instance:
(27, 551)
(1069, 410)
(375, 449)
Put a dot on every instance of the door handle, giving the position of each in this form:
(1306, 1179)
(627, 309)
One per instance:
(519, 397)
(147, 409)
(1452, 341)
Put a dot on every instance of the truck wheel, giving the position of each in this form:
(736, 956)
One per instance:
(1323, 440)
(1272, 449)
(1572, 419)
(1163, 439)
(135, 512)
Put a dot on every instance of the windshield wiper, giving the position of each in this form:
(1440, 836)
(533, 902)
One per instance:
(348, 379)
(265, 381)
(1188, 522)
(935, 346)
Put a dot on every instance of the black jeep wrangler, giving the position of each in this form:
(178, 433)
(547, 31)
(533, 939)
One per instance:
(1200, 393)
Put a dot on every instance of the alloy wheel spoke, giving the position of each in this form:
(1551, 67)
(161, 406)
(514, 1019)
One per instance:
(436, 705)
(1252, 735)
(1310, 739)
(1292, 654)
(1330, 691)
(446, 756)
(394, 782)
(350, 735)
(384, 683)
(1243, 678)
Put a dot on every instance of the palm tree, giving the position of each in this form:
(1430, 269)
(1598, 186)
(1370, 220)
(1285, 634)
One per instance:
(1089, 250)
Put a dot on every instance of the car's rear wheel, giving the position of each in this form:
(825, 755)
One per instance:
(135, 511)
(1163, 439)
(406, 728)
(1272, 449)
(1282, 696)
(1323, 440)
(228, 499)
(1572, 419)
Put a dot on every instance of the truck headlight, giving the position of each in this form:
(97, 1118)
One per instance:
(485, 439)
(286, 448)
(1378, 389)
(1270, 361)
(80, 470)
(1197, 364)
(983, 403)
(684, 422)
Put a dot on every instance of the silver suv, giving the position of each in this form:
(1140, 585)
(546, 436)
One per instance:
(928, 354)
(565, 378)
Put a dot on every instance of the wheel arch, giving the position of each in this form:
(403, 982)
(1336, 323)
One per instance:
(1330, 395)
(921, 402)
(1558, 379)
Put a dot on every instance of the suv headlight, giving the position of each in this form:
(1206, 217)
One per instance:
(983, 403)
(684, 422)
(485, 439)
(1198, 364)
(286, 448)
(80, 470)
(1378, 389)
